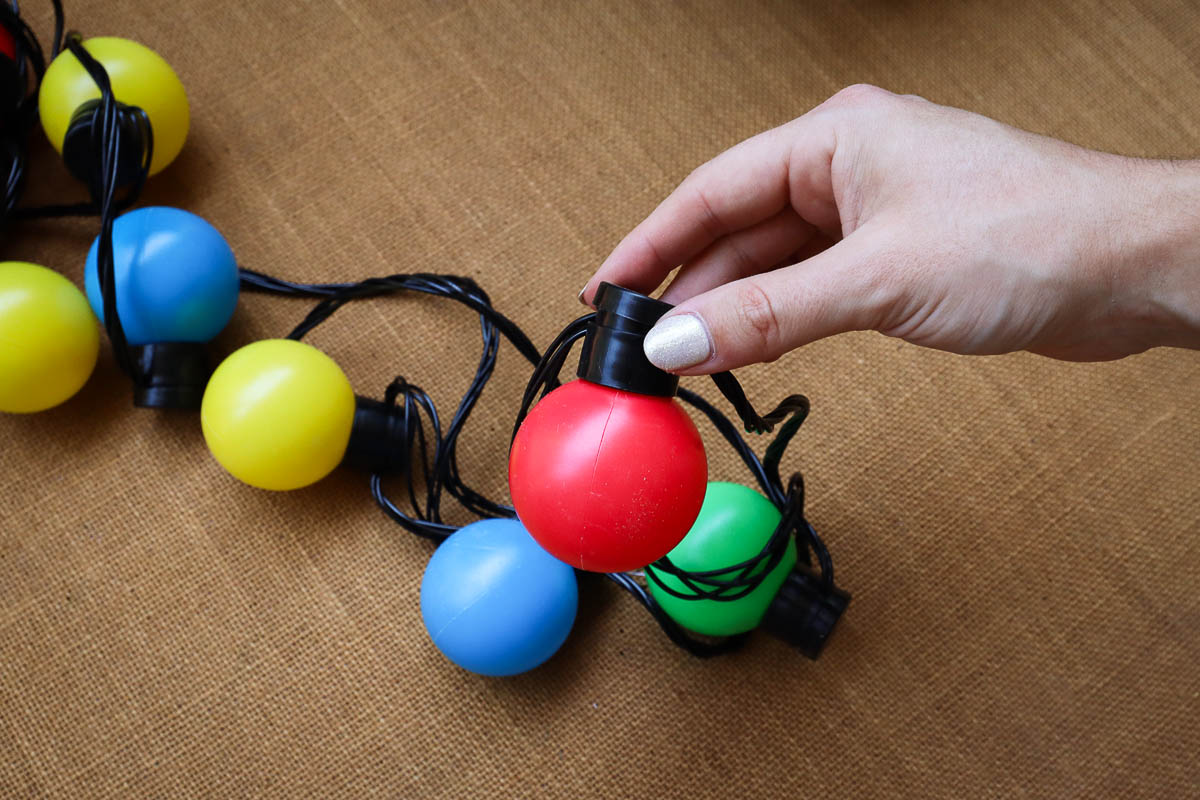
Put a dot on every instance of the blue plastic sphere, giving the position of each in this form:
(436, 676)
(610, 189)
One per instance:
(176, 277)
(494, 602)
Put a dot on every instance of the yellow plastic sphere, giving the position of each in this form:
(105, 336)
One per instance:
(48, 338)
(139, 78)
(277, 414)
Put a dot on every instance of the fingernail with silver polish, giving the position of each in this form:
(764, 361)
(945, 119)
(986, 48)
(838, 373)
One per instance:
(678, 342)
(580, 296)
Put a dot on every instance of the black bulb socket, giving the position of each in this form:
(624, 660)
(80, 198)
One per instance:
(81, 146)
(380, 437)
(170, 374)
(805, 611)
(613, 354)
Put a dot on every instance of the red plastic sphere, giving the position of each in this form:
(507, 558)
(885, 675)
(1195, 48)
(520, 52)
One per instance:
(606, 480)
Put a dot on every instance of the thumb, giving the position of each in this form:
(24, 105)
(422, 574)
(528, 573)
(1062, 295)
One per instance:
(761, 317)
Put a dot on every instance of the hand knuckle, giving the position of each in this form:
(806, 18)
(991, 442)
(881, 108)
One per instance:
(708, 218)
(861, 94)
(758, 318)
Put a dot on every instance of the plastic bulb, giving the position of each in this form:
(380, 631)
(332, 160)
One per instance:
(8, 46)
(496, 603)
(48, 338)
(176, 284)
(733, 526)
(608, 472)
(607, 480)
(176, 276)
(140, 77)
(277, 414)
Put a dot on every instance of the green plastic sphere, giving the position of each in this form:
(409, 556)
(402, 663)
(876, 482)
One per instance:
(734, 524)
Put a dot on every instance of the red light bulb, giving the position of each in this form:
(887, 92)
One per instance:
(607, 480)
(608, 473)
(8, 45)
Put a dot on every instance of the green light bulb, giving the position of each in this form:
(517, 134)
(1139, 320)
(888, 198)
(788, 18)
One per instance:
(734, 524)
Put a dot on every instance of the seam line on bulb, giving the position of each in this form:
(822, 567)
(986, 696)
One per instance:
(476, 601)
(596, 465)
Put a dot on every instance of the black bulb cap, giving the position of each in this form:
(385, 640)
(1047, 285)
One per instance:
(612, 353)
(804, 612)
(80, 147)
(379, 438)
(170, 375)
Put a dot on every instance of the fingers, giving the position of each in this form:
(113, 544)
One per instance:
(761, 317)
(747, 252)
(747, 184)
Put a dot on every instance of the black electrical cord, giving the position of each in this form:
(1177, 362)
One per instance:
(754, 423)
(698, 647)
(427, 521)
(461, 289)
(106, 147)
(547, 368)
(59, 26)
(18, 119)
(545, 379)
(114, 122)
(260, 282)
(729, 431)
(736, 580)
(444, 473)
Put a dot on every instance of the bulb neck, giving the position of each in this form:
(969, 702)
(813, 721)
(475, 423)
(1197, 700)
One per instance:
(170, 375)
(612, 353)
(804, 612)
(379, 438)
(82, 145)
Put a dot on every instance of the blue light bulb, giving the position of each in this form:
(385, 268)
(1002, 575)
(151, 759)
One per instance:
(494, 602)
(176, 277)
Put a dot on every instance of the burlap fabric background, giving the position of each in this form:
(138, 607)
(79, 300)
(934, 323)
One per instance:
(1022, 536)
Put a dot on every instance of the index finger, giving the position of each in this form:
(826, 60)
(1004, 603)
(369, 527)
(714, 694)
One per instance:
(746, 184)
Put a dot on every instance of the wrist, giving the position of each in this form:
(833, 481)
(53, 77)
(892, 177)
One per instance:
(1156, 291)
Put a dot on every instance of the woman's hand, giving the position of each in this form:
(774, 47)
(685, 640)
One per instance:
(950, 230)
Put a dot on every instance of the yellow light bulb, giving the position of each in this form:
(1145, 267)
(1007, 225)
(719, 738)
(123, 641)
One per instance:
(277, 414)
(139, 76)
(48, 338)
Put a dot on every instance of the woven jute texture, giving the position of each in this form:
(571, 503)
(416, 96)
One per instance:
(1021, 536)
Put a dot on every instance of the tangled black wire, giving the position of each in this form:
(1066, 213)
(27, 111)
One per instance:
(410, 401)
(119, 132)
(19, 84)
(112, 122)
(547, 369)
(442, 474)
(734, 581)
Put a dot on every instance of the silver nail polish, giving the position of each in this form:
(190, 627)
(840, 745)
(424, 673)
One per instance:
(678, 342)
